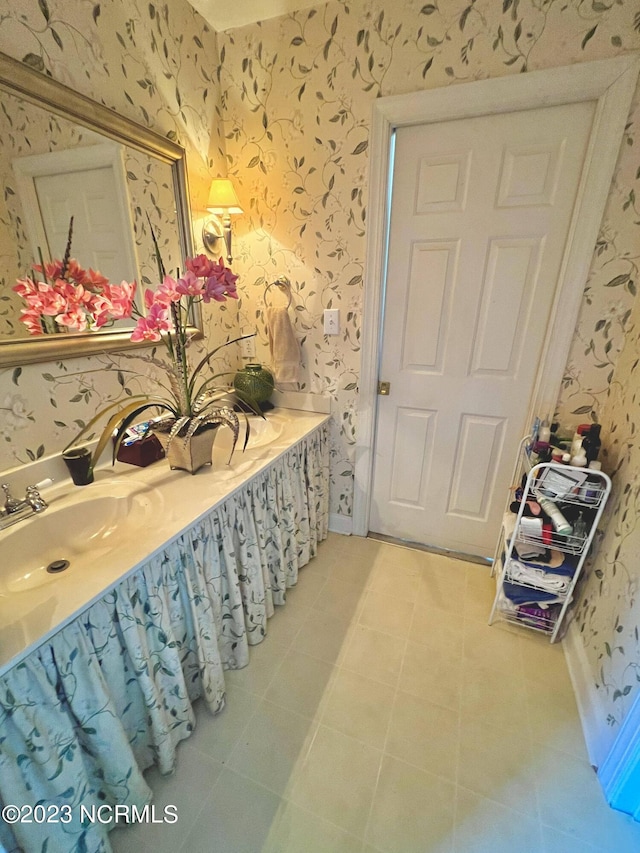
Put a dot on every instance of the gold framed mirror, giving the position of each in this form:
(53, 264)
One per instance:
(144, 158)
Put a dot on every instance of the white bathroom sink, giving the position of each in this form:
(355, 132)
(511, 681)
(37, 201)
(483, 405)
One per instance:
(77, 527)
(262, 432)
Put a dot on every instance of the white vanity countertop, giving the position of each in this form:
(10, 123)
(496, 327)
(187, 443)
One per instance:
(179, 499)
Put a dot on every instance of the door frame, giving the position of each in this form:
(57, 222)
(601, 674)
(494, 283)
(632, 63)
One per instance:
(610, 82)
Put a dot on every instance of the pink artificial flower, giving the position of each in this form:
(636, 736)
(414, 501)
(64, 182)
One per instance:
(189, 285)
(52, 270)
(51, 301)
(214, 289)
(74, 272)
(121, 297)
(31, 319)
(221, 283)
(92, 278)
(167, 292)
(144, 332)
(149, 298)
(74, 318)
(148, 328)
(200, 266)
(25, 287)
(100, 310)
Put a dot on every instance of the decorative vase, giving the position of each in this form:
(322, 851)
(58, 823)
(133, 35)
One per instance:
(190, 454)
(255, 381)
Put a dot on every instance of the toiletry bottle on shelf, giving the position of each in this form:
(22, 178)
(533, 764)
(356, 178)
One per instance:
(576, 445)
(592, 487)
(579, 460)
(580, 527)
(591, 443)
(544, 433)
(558, 520)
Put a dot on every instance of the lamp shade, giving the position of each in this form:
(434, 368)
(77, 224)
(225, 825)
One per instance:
(222, 197)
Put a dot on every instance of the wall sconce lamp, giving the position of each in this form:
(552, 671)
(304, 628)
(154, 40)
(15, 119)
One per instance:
(223, 202)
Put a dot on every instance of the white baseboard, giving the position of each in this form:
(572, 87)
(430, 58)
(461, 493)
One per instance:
(340, 524)
(593, 714)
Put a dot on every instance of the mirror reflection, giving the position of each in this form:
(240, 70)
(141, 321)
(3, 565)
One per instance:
(62, 154)
(53, 169)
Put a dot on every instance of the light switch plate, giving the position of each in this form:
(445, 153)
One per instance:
(331, 321)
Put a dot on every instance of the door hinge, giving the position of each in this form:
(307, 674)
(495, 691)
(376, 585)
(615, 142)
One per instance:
(384, 388)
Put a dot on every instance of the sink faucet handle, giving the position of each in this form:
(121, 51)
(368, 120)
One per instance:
(35, 499)
(10, 503)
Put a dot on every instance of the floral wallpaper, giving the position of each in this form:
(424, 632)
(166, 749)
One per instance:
(297, 94)
(284, 106)
(609, 613)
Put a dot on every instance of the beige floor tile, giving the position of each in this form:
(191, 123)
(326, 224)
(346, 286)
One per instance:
(333, 745)
(441, 630)
(338, 779)
(442, 589)
(264, 661)
(284, 625)
(394, 580)
(425, 735)
(413, 811)
(353, 570)
(431, 677)
(194, 772)
(302, 684)
(324, 636)
(553, 718)
(554, 841)
(300, 831)
(360, 548)
(359, 707)
(545, 661)
(375, 655)
(340, 598)
(479, 593)
(386, 614)
(498, 697)
(496, 762)
(491, 647)
(570, 799)
(272, 746)
(410, 558)
(236, 817)
(216, 736)
(324, 560)
(483, 826)
(306, 590)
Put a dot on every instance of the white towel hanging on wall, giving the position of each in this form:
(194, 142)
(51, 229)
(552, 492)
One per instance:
(283, 343)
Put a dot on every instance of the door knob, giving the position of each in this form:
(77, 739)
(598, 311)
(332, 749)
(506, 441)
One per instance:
(384, 388)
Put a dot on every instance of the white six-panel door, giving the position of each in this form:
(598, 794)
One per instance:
(480, 213)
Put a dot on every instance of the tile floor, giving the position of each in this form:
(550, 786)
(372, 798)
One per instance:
(383, 714)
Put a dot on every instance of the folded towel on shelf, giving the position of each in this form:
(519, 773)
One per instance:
(548, 581)
(284, 346)
(526, 595)
(551, 561)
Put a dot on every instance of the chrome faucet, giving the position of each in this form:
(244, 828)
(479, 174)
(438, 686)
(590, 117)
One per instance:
(14, 510)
